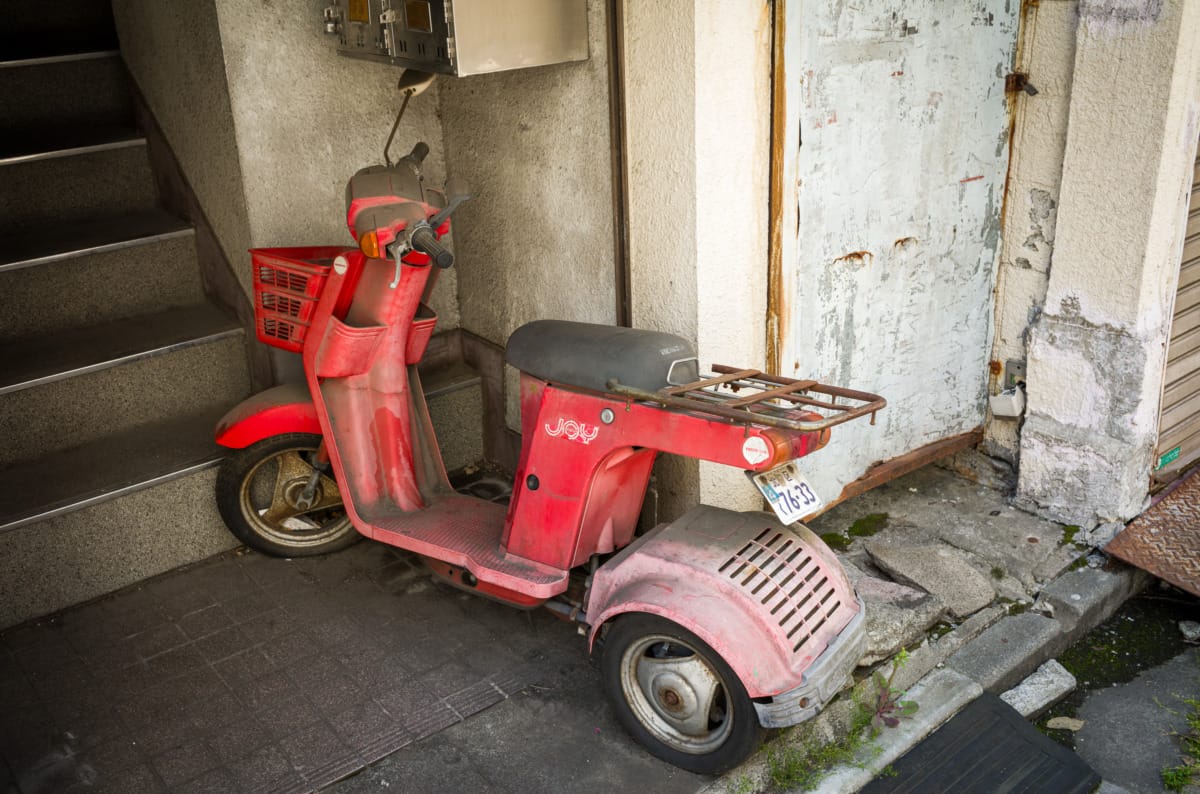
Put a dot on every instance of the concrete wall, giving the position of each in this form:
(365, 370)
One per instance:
(1046, 53)
(534, 146)
(697, 88)
(903, 147)
(537, 239)
(1096, 352)
(268, 122)
(174, 53)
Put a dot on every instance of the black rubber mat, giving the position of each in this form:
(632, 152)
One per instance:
(988, 747)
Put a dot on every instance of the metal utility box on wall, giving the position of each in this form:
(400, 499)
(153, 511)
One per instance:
(460, 37)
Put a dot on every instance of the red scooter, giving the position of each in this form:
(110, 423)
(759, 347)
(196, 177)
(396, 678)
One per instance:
(711, 626)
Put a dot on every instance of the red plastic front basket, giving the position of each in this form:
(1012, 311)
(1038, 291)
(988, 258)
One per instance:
(287, 285)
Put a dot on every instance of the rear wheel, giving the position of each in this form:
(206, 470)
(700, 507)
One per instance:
(676, 696)
(260, 494)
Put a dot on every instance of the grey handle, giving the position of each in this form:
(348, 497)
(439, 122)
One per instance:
(424, 240)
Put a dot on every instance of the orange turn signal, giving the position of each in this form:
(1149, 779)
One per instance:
(791, 444)
(369, 243)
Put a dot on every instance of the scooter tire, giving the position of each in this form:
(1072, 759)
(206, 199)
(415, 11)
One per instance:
(235, 502)
(731, 737)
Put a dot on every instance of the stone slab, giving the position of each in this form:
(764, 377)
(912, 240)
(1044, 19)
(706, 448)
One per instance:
(939, 569)
(897, 615)
(1008, 651)
(1047, 685)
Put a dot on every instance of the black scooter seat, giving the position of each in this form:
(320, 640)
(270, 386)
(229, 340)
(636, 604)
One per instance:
(589, 356)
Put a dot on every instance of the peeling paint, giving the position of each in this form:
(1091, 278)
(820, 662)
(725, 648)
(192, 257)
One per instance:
(855, 259)
(899, 214)
(1098, 14)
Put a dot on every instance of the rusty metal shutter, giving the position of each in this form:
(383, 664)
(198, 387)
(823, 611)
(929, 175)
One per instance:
(1179, 424)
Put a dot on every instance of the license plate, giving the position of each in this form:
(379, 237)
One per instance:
(790, 495)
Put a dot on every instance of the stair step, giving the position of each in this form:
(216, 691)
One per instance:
(58, 27)
(454, 394)
(79, 410)
(90, 237)
(107, 467)
(65, 90)
(93, 288)
(24, 146)
(45, 195)
(17, 56)
(44, 359)
(448, 379)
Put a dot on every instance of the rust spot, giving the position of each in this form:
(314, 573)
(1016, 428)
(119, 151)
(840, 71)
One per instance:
(970, 179)
(1015, 81)
(1032, 539)
(855, 258)
(898, 73)
(904, 242)
(995, 367)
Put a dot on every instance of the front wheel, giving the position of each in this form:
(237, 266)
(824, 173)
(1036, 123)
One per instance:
(676, 696)
(260, 494)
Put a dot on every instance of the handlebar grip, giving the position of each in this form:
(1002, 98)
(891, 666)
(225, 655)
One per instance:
(419, 152)
(425, 241)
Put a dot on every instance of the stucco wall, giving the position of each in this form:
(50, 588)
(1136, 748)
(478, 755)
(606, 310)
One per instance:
(903, 147)
(1047, 54)
(697, 88)
(1096, 351)
(174, 54)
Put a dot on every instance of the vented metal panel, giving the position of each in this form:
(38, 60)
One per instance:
(779, 571)
(1179, 423)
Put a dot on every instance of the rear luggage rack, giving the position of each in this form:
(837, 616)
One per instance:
(753, 397)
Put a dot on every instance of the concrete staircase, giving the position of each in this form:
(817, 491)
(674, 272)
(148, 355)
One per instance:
(114, 365)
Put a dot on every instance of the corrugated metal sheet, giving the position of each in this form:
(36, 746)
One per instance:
(1179, 423)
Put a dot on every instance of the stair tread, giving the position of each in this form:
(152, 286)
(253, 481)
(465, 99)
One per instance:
(67, 480)
(446, 379)
(102, 234)
(48, 357)
(24, 145)
(20, 50)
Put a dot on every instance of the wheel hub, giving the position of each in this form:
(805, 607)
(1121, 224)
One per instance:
(293, 494)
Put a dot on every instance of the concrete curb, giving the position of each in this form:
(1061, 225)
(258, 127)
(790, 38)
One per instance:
(940, 695)
(991, 651)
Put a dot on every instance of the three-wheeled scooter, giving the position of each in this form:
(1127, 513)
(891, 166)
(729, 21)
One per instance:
(710, 627)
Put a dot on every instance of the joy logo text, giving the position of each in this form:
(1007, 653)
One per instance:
(573, 431)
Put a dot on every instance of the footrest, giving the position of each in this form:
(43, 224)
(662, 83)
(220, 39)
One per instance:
(465, 531)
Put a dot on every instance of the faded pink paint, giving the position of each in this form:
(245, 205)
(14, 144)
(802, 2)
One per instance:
(676, 572)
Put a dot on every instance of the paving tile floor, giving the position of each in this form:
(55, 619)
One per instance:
(256, 674)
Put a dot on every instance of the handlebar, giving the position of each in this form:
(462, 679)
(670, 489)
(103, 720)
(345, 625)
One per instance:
(424, 240)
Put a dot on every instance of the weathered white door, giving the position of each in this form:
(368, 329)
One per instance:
(895, 132)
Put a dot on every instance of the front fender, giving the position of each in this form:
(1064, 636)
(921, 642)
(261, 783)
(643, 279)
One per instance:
(749, 650)
(283, 409)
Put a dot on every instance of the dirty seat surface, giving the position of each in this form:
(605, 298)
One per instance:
(588, 356)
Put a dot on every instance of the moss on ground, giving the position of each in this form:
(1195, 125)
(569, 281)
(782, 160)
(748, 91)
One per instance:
(1143, 633)
(868, 525)
(836, 541)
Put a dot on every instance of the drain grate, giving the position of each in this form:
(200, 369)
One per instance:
(780, 572)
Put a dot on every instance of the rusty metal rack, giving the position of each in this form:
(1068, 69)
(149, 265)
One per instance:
(753, 397)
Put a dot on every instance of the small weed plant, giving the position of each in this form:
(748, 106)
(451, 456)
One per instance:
(889, 708)
(1177, 778)
(878, 704)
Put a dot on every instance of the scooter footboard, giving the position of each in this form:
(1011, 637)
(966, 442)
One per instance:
(772, 600)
